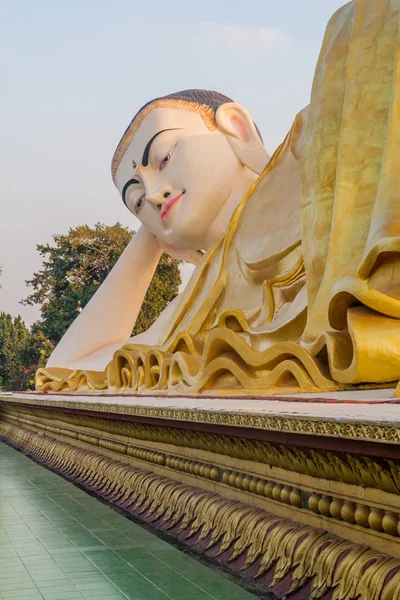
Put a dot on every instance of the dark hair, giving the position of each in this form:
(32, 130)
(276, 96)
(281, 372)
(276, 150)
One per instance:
(208, 98)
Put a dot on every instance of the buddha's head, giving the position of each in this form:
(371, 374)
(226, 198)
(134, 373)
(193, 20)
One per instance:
(183, 163)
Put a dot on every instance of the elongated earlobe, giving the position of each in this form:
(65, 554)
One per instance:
(235, 122)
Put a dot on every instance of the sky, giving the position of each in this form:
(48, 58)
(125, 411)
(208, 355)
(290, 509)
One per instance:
(74, 73)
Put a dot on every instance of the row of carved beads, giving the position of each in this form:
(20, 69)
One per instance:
(149, 455)
(189, 466)
(193, 467)
(358, 514)
(135, 451)
(262, 487)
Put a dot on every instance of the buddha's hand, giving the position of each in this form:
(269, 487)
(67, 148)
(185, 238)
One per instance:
(190, 256)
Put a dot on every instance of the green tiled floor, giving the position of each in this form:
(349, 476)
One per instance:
(58, 543)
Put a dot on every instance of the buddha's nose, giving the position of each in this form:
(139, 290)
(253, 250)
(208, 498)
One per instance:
(157, 201)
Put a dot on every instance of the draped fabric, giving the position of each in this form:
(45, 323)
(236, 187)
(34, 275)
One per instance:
(303, 291)
(351, 196)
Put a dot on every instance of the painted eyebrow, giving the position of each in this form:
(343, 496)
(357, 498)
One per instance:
(124, 189)
(145, 158)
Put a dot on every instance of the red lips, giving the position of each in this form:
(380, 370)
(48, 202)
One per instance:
(169, 205)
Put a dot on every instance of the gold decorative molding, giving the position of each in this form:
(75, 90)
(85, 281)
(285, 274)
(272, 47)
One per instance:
(232, 529)
(362, 515)
(340, 509)
(358, 512)
(344, 467)
(345, 428)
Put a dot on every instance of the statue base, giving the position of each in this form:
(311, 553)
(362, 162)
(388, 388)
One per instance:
(299, 493)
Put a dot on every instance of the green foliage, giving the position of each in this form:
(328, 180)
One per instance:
(13, 335)
(22, 351)
(34, 354)
(73, 269)
(76, 264)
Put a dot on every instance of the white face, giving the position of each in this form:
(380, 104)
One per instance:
(179, 190)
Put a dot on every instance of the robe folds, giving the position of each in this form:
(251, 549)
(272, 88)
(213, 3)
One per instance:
(303, 291)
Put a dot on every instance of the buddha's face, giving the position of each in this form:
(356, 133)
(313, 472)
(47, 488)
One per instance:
(177, 175)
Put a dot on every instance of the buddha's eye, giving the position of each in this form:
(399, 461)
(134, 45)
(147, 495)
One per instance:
(166, 159)
(139, 203)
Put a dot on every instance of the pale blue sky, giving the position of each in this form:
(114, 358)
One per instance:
(74, 73)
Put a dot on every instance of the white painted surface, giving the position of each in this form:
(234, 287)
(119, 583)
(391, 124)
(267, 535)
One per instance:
(369, 406)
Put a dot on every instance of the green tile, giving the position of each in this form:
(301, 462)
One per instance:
(57, 588)
(90, 578)
(108, 595)
(47, 575)
(9, 585)
(79, 571)
(58, 543)
(27, 595)
(16, 570)
(86, 587)
(57, 583)
(31, 563)
(62, 596)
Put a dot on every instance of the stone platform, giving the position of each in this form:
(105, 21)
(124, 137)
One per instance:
(299, 492)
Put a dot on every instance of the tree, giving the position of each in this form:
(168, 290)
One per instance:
(76, 264)
(33, 355)
(22, 352)
(13, 336)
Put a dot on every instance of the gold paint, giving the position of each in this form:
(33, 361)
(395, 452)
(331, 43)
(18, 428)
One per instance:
(324, 506)
(379, 431)
(348, 512)
(295, 498)
(269, 488)
(361, 515)
(322, 469)
(390, 523)
(379, 519)
(375, 519)
(325, 308)
(285, 494)
(313, 502)
(336, 508)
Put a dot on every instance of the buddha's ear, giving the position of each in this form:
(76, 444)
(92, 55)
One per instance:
(235, 122)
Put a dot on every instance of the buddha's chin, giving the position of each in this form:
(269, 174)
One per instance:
(184, 238)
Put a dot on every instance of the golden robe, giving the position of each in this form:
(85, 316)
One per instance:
(303, 291)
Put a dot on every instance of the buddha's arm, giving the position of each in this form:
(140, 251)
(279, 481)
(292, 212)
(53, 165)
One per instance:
(98, 360)
(111, 314)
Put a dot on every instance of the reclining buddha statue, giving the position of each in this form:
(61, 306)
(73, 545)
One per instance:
(297, 278)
